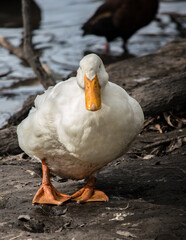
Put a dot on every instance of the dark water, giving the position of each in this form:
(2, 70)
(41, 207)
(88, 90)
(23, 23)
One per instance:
(62, 45)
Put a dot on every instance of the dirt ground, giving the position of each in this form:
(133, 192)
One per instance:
(147, 200)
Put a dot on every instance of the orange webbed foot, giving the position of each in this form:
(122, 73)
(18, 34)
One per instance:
(89, 194)
(47, 194)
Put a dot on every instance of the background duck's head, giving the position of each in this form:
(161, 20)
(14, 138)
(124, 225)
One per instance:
(92, 77)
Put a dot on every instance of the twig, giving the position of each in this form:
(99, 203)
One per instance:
(32, 59)
(167, 140)
(17, 51)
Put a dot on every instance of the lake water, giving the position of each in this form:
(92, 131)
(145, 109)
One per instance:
(62, 45)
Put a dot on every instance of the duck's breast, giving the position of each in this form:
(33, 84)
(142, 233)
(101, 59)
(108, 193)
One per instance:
(102, 135)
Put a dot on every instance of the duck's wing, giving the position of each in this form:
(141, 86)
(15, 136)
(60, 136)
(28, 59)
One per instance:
(39, 128)
(138, 114)
(136, 111)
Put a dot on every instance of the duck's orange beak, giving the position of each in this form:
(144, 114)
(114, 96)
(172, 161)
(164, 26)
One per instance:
(92, 94)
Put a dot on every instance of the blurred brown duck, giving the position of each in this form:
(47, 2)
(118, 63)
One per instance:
(120, 18)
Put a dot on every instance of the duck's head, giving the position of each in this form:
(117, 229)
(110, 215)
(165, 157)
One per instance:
(92, 77)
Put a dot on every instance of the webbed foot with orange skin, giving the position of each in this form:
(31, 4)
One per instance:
(47, 194)
(89, 194)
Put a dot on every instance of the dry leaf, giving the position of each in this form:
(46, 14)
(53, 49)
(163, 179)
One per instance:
(167, 118)
(181, 122)
(149, 156)
(157, 126)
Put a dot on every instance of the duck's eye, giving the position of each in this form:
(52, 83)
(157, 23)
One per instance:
(100, 66)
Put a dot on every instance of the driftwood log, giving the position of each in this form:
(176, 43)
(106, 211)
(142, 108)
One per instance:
(22, 113)
(157, 81)
(9, 142)
(164, 94)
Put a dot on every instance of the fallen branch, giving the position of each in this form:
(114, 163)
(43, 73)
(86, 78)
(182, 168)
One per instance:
(26, 53)
(33, 60)
(17, 51)
(163, 141)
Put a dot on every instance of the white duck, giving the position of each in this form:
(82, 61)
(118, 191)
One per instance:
(77, 127)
